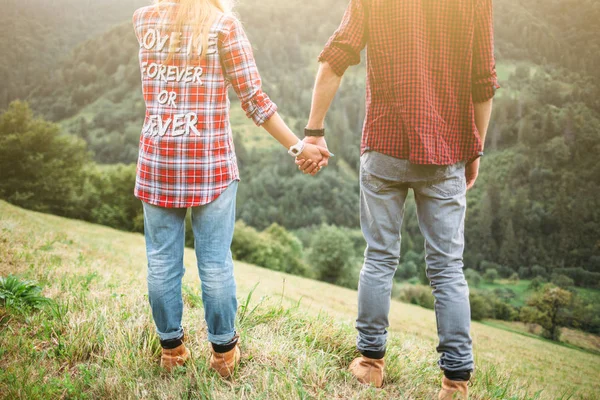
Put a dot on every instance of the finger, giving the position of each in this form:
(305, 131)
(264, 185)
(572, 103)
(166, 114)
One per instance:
(300, 161)
(305, 164)
(307, 167)
(311, 168)
(324, 162)
(324, 151)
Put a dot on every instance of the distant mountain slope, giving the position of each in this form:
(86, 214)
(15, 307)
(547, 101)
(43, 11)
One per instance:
(100, 343)
(35, 34)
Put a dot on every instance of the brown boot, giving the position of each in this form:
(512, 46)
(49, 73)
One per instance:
(453, 390)
(225, 363)
(368, 370)
(172, 358)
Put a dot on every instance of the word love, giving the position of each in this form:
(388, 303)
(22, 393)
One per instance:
(155, 40)
(181, 124)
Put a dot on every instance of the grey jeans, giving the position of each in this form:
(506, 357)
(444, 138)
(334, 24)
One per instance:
(440, 196)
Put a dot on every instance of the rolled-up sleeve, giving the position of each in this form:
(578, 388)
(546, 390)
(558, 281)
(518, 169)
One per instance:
(485, 80)
(344, 47)
(239, 68)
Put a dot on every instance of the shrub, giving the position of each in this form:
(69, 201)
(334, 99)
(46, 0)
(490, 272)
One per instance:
(406, 270)
(562, 281)
(490, 275)
(480, 306)
(473, 277)
(580, 276)
(514, 278)
(416, 294)
(504, 311)
(538, 270)
(537, 282)
(275, 249)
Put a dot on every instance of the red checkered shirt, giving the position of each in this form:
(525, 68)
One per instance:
(427, 63)
(186, 154)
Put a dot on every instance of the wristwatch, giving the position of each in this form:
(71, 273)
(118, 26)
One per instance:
(296, 149)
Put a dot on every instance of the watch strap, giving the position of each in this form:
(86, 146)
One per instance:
(314, 132)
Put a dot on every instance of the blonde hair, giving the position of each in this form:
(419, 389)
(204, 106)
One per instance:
(199, 15)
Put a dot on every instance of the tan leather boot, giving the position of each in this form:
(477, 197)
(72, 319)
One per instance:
(368, 370)
(453, 390)
(225, 363)
(172, 358)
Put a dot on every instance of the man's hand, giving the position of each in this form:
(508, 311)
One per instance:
(472, 172)
(312, 158)
(310, 165)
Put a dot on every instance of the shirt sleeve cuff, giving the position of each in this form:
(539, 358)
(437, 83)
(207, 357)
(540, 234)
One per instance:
(484, 90)
(260, 108)
(337, 58)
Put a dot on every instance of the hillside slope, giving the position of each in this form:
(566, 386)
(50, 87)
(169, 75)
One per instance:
(297, 333)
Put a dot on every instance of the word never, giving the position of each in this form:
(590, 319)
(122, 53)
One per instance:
(182, 125)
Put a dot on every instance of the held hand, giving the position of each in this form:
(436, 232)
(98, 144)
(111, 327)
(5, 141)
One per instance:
(311, 159)
(319, 141)
(472, 172)
(312, 166)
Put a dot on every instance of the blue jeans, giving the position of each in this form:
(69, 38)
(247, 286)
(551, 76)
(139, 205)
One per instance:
(440, 196)
(213, 226)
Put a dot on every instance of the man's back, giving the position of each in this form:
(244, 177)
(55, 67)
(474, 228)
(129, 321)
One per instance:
(428, 61)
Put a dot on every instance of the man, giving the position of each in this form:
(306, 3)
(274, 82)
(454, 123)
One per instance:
(431, 80)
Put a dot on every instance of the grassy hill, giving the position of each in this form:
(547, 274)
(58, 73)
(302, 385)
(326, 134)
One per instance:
(98, 341)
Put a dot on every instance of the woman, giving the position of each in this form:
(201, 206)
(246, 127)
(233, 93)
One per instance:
(191, 51)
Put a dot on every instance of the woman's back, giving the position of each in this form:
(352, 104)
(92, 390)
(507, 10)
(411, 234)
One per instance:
(186, 149)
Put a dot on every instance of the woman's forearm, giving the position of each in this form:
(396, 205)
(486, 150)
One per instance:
(280, 131)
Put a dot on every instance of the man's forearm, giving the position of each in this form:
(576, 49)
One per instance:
(326, 86)
(483, 113)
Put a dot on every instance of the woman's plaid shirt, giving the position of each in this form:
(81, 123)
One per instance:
(427, 63)
(186, 154)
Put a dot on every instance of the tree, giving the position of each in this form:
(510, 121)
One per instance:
(41, 169)
(331, 253)
(547, 308)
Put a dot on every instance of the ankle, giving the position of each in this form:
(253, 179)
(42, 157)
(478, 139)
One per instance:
(226, 348)
(171, 344)
(458, 376)
(373, 355)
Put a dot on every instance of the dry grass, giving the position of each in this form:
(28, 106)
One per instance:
(99, 341)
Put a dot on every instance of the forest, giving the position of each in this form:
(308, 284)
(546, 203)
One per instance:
(69, 146)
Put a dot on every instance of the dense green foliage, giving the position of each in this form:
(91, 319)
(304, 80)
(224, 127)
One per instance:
(39, 167)
(37, 34)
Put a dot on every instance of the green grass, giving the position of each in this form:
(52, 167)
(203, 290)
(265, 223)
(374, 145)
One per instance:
(98, 340)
